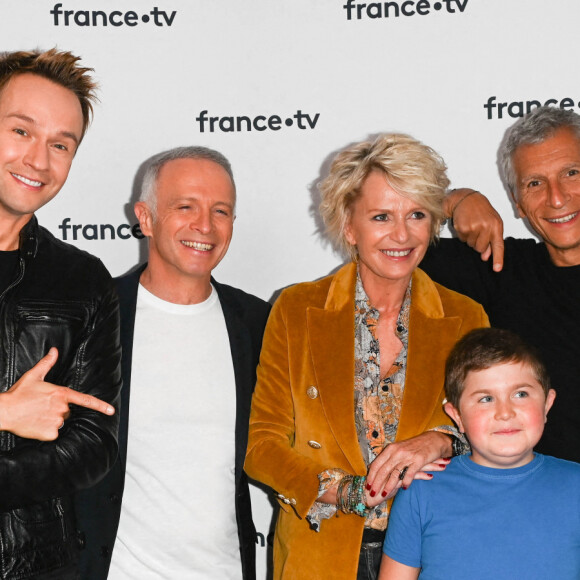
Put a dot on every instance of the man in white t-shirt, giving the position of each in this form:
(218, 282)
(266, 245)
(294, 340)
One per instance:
(190, 350)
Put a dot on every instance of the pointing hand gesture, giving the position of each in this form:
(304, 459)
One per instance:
(35, 409)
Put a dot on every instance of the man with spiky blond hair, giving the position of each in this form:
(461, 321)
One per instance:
(59, 327)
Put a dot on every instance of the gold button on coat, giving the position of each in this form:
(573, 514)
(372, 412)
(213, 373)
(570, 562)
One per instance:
(312, 392)
(314, 444)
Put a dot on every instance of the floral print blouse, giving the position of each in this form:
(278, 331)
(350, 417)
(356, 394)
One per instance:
(377, 401)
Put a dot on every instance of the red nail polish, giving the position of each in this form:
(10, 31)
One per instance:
(373, 493)
(447, 458)
(442, 464)
(429, 475)
(368, 486)
(404, 487)
(384, 493)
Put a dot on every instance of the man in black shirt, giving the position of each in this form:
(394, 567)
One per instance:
(537, 293)
(59, 325)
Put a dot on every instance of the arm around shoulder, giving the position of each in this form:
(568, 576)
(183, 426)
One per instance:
(477, 223)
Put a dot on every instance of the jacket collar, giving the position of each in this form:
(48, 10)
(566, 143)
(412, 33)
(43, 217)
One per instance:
(424, 292)
(331, 340)
(29, 239)
(425, 297)
(341, 291)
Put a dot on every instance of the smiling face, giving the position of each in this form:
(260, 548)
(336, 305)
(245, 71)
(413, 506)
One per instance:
(502, 410)
(40, 128)
(548, 193)
(391, 233)
(192, 228)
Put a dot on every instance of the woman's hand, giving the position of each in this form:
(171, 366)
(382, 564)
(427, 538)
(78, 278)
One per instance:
(399, 463)
(426, 473)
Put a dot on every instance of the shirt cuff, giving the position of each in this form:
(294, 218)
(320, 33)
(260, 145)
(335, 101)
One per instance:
(320, 510)
(459, 442)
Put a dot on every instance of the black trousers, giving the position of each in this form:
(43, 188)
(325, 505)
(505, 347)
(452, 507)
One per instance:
(371, 553)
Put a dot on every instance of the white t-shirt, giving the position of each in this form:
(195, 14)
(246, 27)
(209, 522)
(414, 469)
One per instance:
(178, 518)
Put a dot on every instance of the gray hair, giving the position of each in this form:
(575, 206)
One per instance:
(156, 163)
(532, 129)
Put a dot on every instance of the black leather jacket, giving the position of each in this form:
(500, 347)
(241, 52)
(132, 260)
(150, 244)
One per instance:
(61, 297)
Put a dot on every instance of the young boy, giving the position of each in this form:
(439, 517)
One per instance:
(503, 512)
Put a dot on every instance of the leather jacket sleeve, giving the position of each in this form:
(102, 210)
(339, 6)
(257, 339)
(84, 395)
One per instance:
(32, 471)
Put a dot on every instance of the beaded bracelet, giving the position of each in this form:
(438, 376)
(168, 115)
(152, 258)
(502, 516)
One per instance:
(350, 495)
(342, 493)
(358, 505)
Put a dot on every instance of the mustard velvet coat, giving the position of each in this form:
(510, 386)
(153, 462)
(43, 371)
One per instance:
(297, 431)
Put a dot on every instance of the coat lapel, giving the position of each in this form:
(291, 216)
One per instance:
(127, 288)
(428, 326)
(240, 343)
(331, 341)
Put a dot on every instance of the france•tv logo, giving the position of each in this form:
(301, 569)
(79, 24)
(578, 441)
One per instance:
(113, 18)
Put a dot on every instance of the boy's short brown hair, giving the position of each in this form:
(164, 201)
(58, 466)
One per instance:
(483, 348)
(60, 67)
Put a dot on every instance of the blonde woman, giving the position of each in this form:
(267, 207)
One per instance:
(348, 403)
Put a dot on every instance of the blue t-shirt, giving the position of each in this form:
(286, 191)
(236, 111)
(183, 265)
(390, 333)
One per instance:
(479, 523)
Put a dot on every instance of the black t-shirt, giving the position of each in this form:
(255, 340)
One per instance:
(8, 268)
(538, 301)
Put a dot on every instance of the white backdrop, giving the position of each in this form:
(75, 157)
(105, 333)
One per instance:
(422, 67)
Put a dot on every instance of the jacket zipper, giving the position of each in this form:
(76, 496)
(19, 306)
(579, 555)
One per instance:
(60, 511)
(18, 278)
